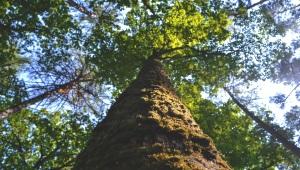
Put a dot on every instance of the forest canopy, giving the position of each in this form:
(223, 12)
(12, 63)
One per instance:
(63, 62)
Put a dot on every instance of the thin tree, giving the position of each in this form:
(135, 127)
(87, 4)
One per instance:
(290, 145)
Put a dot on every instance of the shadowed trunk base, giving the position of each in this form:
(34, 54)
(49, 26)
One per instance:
(148, 128)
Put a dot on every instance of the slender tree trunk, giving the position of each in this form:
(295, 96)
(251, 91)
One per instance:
(148, 128)
(290, 145)
(17, 107)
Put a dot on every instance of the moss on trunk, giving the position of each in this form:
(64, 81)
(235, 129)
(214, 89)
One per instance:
(148, 128)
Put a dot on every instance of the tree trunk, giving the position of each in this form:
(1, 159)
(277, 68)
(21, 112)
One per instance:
(288, 144)
(22, 105)
(148, 128)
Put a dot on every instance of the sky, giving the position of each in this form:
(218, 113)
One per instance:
(266, 89)
(269, 88)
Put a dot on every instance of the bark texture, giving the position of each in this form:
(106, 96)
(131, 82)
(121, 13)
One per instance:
(148, 128)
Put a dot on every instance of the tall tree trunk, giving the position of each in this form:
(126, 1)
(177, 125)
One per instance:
(148, 128)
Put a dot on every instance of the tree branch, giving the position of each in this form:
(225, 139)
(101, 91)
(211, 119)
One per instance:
(256, 4)
(19, 106)
(43, 159)
(291, 92)
(158, 54)
(81, 8)
(236, 13)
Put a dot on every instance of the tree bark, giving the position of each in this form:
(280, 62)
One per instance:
(148, 128)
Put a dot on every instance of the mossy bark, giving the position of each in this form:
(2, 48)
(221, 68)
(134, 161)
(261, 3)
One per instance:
(148, 128)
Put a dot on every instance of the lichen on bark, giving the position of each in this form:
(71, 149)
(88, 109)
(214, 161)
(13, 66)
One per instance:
(148, 128)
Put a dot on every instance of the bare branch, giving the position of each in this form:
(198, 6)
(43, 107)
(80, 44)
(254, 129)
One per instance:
(19, 106)
(256, 4)
(291, 92)
(81, 8)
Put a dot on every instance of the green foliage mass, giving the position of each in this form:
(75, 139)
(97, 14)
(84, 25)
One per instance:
(237, 138)
(179, 26)
(203, 45)
(42, 140)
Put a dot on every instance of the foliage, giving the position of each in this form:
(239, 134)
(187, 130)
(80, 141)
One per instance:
(242, 143)
(293, 118)
(142, 34)
(203, 45)
(43, 140)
